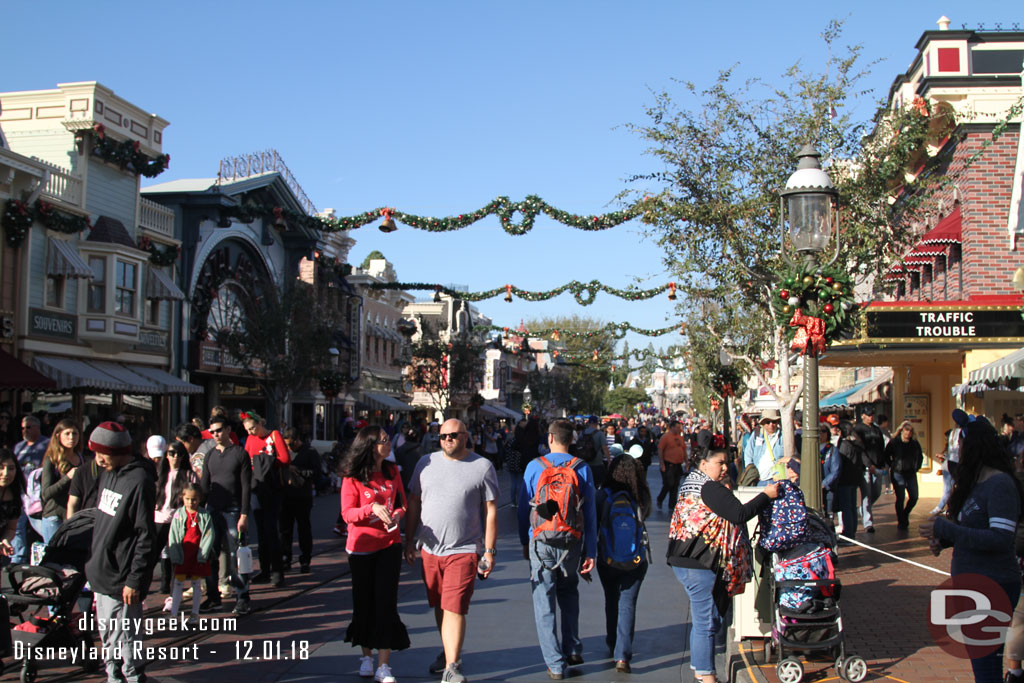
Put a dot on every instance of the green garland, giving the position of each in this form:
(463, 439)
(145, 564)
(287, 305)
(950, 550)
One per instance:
(583, 292)
(642, 355)
(727, 381)
(159, 256)
(616, 330)
(19, 216)
(824, 292)
(331, 383)
(127, 154)
(503, 207)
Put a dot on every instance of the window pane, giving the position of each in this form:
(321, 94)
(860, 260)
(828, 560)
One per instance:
(99, 269)
(97, 294)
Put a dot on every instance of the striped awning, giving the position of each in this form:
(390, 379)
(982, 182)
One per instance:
(385, 401)
(71, 373)
(131, 382)
(159, 285)
(874, 390)
(841, 398)
(1008, 367)
(63, 260)
(170, 383)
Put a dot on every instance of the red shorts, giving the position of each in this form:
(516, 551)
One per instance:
(449, 580)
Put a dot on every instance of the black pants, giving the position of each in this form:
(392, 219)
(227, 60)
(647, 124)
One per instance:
(670, 479)
(296, 511)
(162, 532)
(267, 522)
(375, 621)
(904, 483)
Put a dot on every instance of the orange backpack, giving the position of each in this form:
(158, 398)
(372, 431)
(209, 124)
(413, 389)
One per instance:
(556, 514)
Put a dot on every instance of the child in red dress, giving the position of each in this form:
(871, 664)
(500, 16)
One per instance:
(188, 547)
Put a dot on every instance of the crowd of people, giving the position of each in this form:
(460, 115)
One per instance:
(181, 507)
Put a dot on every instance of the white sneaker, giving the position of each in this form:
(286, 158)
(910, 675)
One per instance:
(935, 511)
(383, 674)
(366, 666)
(168, 601)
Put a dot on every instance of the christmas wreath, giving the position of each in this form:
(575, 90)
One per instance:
(330, 383)
(726, 381)
(817, 303)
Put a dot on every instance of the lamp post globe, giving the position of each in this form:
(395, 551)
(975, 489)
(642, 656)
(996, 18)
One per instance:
(810, 196)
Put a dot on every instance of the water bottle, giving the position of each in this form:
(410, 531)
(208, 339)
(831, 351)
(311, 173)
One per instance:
(244, 557)
(482, 567)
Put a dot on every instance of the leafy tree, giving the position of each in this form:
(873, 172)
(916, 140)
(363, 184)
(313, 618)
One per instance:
(446, 369)
(372, 256)
(587, 380)
(282, 339)
(623, 400)
(714, 207)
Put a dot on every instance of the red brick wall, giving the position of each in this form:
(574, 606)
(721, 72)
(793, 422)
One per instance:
(984, 188)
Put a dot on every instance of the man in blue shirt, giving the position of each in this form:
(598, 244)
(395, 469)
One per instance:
(554, 571)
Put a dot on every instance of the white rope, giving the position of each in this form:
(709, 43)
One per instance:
(895, 557)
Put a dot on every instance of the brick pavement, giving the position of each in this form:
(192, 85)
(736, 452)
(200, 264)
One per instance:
(885, 605)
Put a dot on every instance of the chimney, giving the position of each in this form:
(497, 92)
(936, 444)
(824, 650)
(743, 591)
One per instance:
(943, 23)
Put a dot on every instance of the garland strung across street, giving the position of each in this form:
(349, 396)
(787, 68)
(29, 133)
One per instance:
(616, 330)
(127, 154)
(503, 207)
(643, 355)
(583, 292)
(19, 216)
(818, 303)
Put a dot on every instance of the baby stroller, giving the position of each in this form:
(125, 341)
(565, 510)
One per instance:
(806, 614)
(43, 597)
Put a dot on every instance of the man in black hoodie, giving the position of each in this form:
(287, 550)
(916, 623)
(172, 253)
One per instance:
(120, 565)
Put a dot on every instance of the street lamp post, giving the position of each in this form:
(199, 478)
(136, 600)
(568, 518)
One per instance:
(808, 201)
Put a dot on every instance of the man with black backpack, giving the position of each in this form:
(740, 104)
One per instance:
(592, 448)
(558, 530)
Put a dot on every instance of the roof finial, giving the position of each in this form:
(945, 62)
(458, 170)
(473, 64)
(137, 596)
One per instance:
(943, 23)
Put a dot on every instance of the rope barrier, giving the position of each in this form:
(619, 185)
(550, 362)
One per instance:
(895, 557)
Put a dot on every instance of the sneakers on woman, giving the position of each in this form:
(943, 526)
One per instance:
(168, 601)
(366, 666)
(453, 674)
(383, 674)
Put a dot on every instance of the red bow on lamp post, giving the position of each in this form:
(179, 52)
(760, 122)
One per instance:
(810, 336)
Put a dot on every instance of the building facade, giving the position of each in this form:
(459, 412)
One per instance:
(94, 272)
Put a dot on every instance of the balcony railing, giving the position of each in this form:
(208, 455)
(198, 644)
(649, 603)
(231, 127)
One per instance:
(156, 217)
(63, 185)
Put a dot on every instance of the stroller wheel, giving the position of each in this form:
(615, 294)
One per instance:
(28, 673)
(855, 669)
(839, 666)
(790, 670)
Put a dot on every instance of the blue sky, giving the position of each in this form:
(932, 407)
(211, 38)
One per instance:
(437, 107)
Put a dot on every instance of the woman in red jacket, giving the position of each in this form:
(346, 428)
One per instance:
(372, 503)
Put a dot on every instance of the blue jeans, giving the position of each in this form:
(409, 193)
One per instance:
(225, 544)
(989, 669)
(846, 506)
(870, 490)
(705, 620)
(621, 590)
(48, 527)
(551, 585)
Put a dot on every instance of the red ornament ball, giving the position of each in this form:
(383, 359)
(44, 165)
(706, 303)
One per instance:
(829, 280)
(784, 294)
(830, 309)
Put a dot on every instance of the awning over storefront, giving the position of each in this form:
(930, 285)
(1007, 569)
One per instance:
(1006, 368)
(498, 410)
(492, 411)
(947, 231)
(385, 401)
(16, 375)
(979, 388)
(170, 383)
(874, 391)
(63, 259)
(132, 383)
(105, 376)
(70, 373)
(841, 398)
(160, 286)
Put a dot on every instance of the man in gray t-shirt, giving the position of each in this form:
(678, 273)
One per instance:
(453, 492)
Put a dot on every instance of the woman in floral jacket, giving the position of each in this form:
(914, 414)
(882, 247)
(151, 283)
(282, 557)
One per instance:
(709, 550)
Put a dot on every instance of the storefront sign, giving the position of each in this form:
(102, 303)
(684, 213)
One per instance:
(152, 340)
(51, 324)
(6, 326)
(966, 324)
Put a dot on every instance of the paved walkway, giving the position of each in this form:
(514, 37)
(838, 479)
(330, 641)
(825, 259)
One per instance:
(297, 632)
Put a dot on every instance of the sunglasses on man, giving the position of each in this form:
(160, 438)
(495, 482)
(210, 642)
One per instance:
(451, 435)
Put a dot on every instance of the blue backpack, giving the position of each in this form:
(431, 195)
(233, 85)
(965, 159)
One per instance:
(784, 522)
(621, 536)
